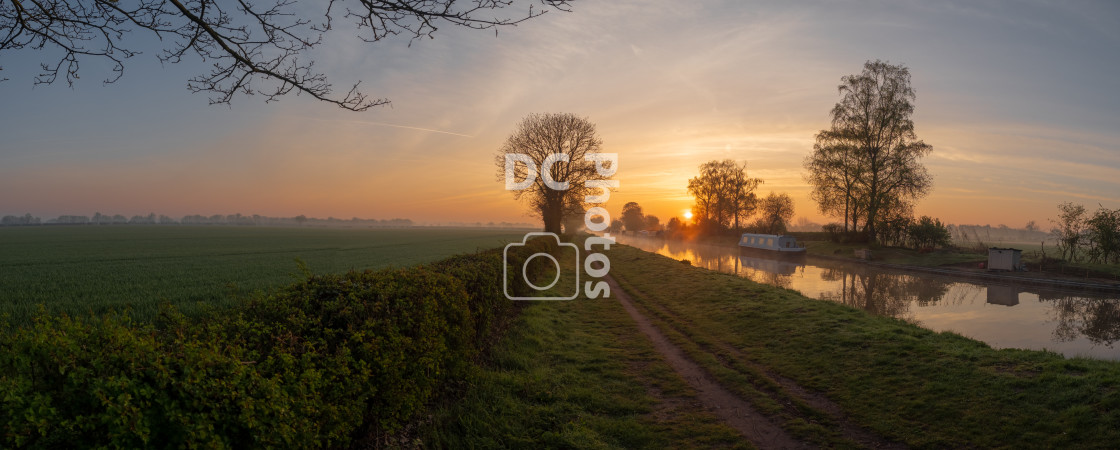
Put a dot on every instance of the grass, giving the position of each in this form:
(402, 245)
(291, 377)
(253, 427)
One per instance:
(894, 255)
(906, 383)
(577, 374)
(92, 269)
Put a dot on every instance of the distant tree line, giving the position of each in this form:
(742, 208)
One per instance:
(198, 219)
(984, 235)
(725, 201)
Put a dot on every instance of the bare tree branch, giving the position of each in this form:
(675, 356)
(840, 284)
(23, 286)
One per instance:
(255, 46)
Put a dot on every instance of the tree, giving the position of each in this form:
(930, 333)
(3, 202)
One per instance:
(540, 136)
(869, 161)
(1068, 229)
(1031, 226)
(616, 226)
(723, 193)
(653, 223)
(1102, 231)
(777, 210)
(929, 233)
(834, 172)
(254, 47)
(632, 217)
(673, 225)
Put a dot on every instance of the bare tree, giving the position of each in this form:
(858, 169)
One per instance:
(563, 183)
(777, 211)
(1069, 229)
(724, 193)
(254, 46)
(870, 158)
(834, 170)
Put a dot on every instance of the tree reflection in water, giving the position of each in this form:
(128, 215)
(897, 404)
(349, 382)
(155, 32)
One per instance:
(1098, 319)
(1092, 319)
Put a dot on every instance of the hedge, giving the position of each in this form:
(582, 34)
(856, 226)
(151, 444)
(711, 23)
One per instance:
(322, 363)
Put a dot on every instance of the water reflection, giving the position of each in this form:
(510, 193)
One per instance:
(1097, 319)
(1004, 316)
(884, 294)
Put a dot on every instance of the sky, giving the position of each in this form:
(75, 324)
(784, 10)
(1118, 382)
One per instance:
(1019, 99)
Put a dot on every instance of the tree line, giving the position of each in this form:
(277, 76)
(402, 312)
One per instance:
(1080, 236)
(725, 200)
(198, 219)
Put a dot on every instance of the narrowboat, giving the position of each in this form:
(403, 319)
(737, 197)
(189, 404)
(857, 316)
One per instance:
(772, 242)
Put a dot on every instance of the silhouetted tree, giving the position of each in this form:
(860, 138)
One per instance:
(673, 225)
(254, 47)
(632, 217)
(777, 210)
(653, 223)
(928, 232)
(723, 193)
(869, 161)
(540, 136)
(616, 226)
(834, 171)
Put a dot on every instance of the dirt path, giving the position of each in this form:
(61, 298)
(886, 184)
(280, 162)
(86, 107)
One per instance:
(735, 411)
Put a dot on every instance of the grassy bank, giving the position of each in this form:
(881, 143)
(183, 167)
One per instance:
(576, 374)
(901, 381)
(895, 255)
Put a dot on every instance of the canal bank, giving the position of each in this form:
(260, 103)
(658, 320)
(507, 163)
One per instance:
(906, 383)
(1016, 278)
(1001, 311)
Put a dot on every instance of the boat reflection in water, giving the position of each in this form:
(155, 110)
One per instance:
(1073, 323)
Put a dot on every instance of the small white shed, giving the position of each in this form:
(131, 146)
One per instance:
(1005, 259)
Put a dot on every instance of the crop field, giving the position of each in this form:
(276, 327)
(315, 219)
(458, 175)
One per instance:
(95, 269)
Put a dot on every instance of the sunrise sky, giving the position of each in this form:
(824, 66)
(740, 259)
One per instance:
(1019, 99)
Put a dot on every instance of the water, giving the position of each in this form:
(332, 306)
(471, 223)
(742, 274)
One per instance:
(1070, 322)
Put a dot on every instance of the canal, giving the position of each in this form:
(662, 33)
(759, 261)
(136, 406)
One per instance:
(1070, 322)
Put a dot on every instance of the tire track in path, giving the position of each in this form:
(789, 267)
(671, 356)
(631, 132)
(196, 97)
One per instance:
(732, 409)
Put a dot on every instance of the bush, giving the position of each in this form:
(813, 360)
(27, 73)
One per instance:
(321, 363)
(68, 383)
(928, 233)
(837, 234)
(372, 345)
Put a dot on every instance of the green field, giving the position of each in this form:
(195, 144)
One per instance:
(90, 269)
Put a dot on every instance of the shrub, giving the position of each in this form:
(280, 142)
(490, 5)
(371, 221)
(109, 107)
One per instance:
(928, 233)
(835, 231)
(837, 234)
(67, 383)
(318, 364)
(371, 345)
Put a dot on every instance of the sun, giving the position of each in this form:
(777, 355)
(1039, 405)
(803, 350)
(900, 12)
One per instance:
(687, 215)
